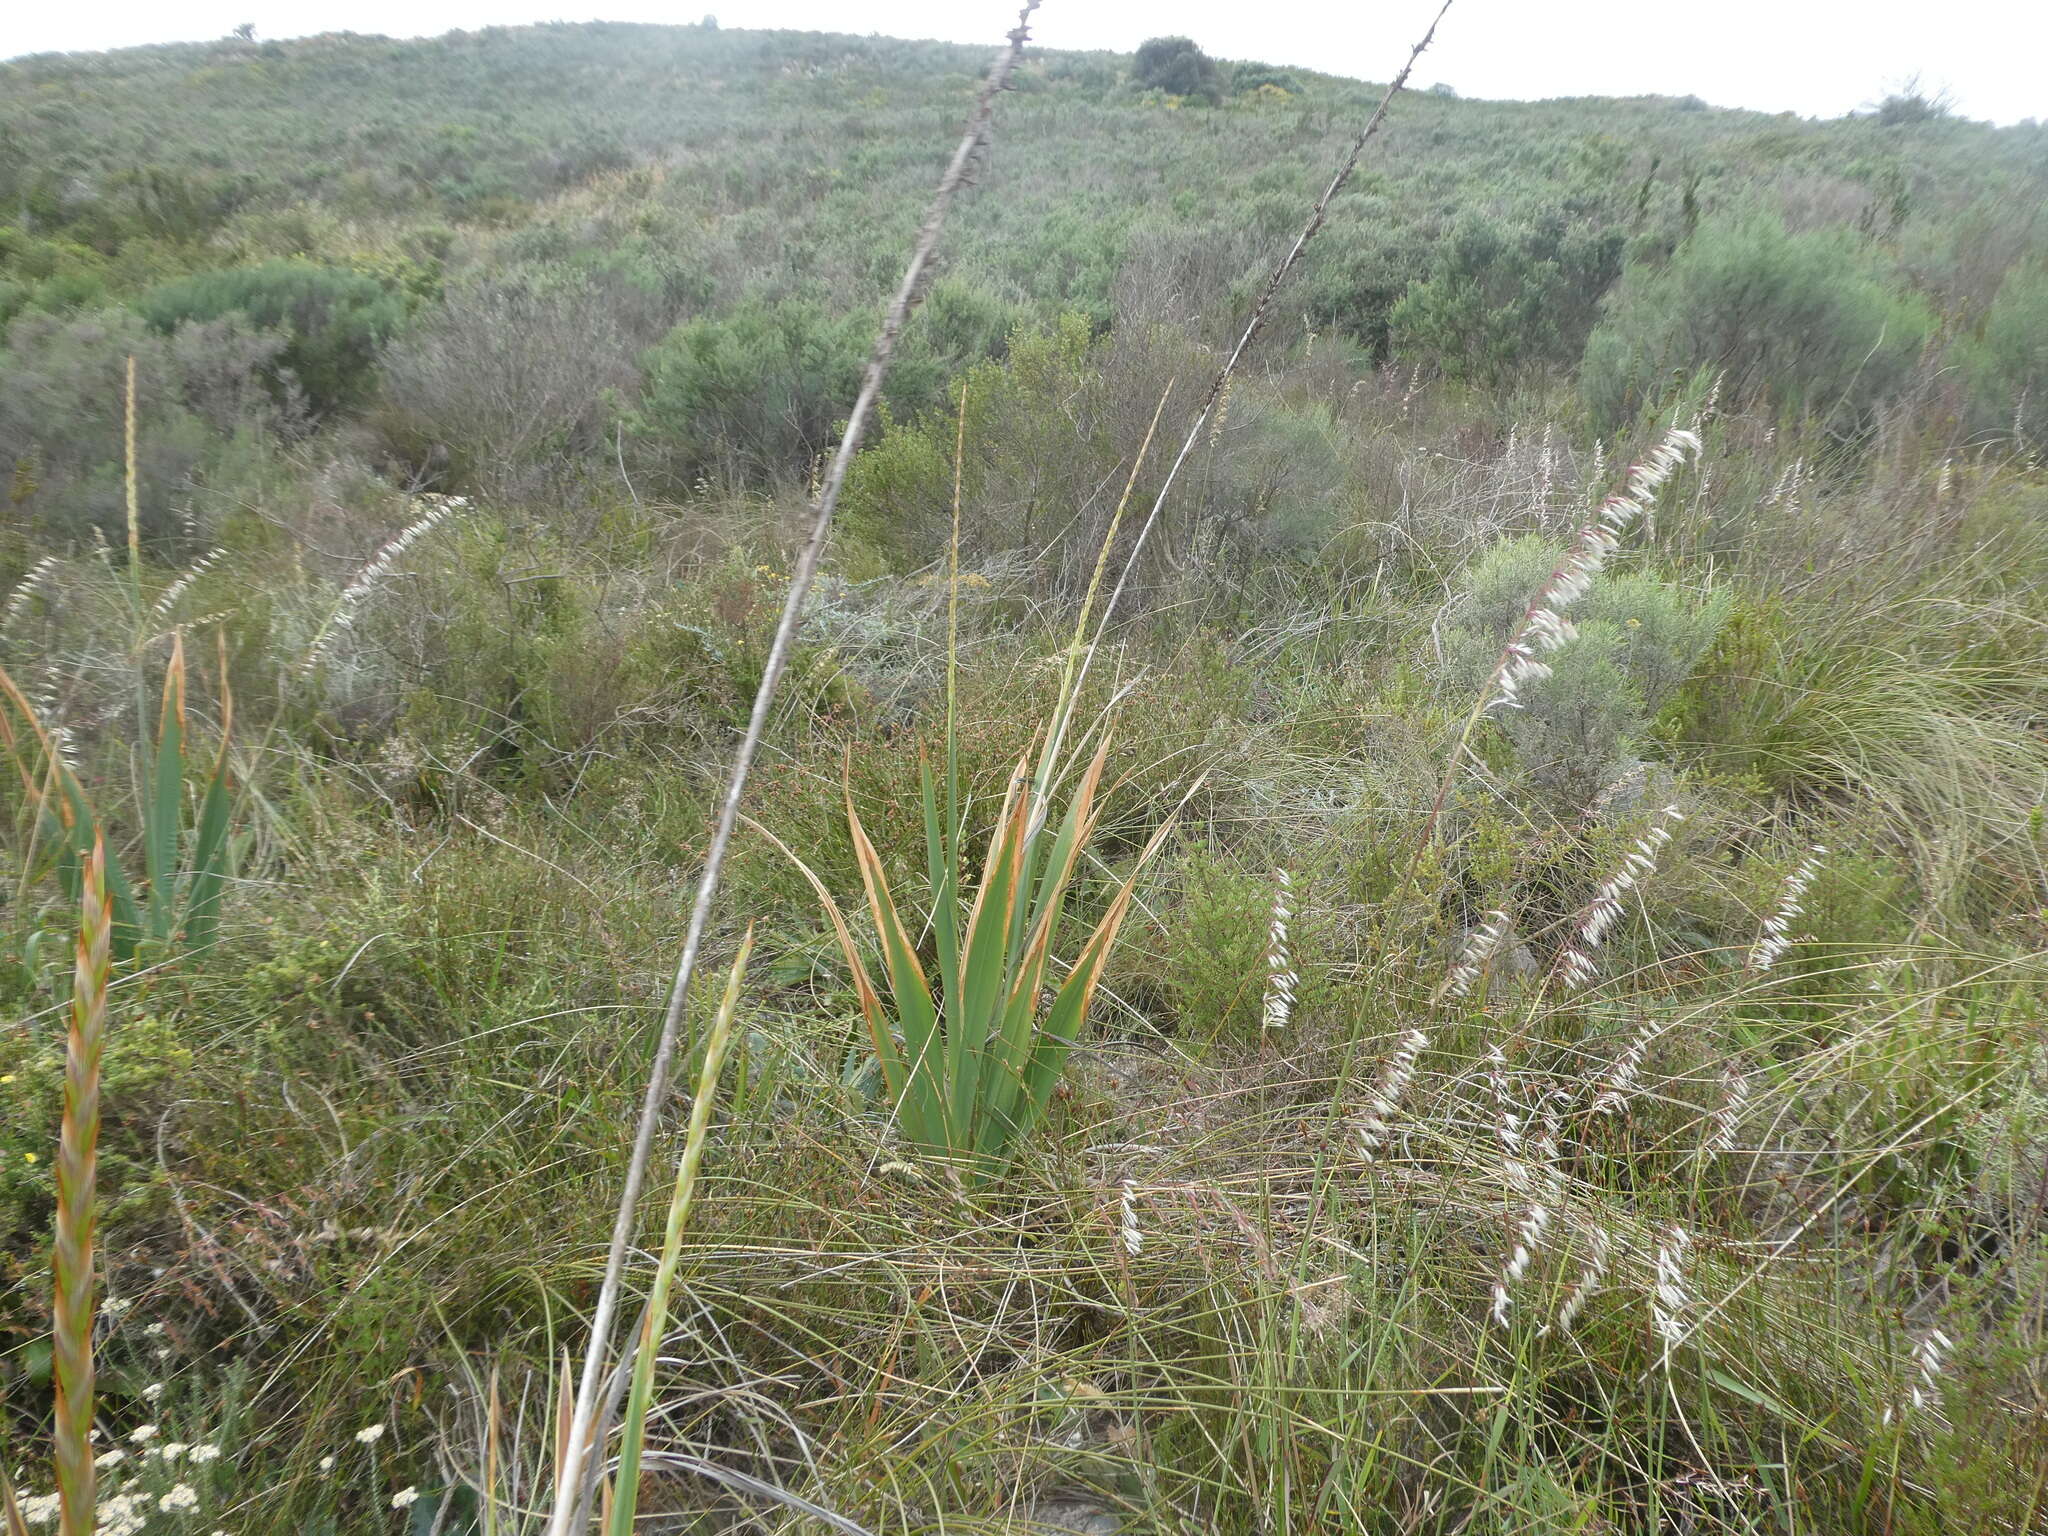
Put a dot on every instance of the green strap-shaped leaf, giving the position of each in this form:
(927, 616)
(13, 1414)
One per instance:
(923, 1105)
(163, 797)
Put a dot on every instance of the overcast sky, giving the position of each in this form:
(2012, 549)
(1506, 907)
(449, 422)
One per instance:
(1816, 57)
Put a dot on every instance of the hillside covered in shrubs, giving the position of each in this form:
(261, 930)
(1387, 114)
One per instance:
(1448, 937)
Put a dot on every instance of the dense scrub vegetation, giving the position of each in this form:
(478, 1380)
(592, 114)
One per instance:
(1638, 1118)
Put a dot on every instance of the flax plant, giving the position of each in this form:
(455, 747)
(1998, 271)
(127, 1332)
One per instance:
(970, 1063)
(186, 849)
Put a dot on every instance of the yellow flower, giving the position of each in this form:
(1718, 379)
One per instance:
(30, 1157)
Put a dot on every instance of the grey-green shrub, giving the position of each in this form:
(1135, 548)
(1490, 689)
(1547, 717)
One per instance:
(2007, 361)
(1797, 323)
(760, 388)
(1506, 297)
(335, 322)
(1638, 640)
(62, 392)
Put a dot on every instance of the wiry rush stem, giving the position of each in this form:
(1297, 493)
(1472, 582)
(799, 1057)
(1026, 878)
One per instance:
(578, 1461)
(1316, 218)
(77, 1177)
(129, 487)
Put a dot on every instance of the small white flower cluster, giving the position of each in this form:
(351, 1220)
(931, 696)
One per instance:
(1575, 967)
(124, 1514)
(1544, 628)
(369, 1434)
(1281, 981)
(405, 1498)
(1127, 1223)
(120, 1514)
(1669, 1300)
(1620, 1086)
(1377, 1122)
(1591, 1273)
(1480, 947)
(1776, 938)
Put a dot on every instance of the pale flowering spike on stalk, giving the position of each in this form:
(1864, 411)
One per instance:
(25, 591)
(1620, 1085)
(1728, 1117)
(1599, 1250)
(1528, 1243)
(1281, 980)
(1508, 1118)
(1549, 1132)
(1543, 626)
(1376, 1124)
(1929, 1355)
(374, 571)
(1669, 1301)
(1575, 965)
(1127, 1224)
(1776, 935)
(1480, 946)
(167, 600)
(1535, 1222)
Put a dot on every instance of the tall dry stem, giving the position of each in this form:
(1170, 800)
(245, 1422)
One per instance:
(77, 1178)
(578, 1462)
(1316, 217)
(130, 486)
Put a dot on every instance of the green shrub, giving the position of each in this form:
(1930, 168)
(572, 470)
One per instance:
(335, 321)
(1504, 298)
(1797, 323)
(198, 392)
(763, 387)
(2007, 360)
(1029, 447)
(1179, 68)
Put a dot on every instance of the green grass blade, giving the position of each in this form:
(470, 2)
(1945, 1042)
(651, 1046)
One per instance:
(163, 798)
(985, 969)
(641, 1396)
(209, 864)
(942, 862)
(924, 1104)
